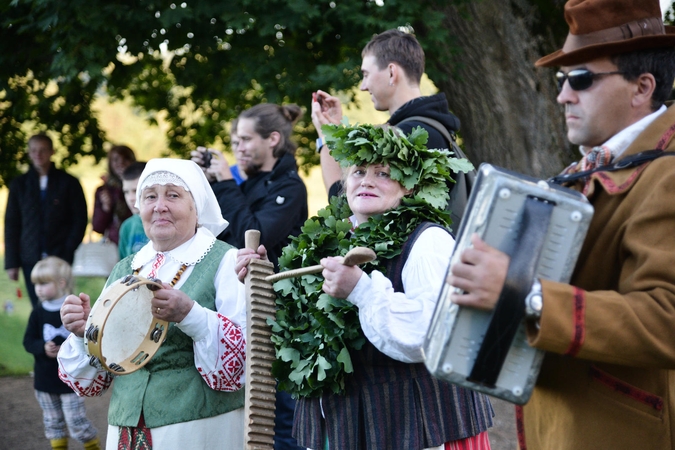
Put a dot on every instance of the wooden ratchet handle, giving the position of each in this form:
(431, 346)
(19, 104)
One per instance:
(354, 257)
(252, 239)
(294, 273)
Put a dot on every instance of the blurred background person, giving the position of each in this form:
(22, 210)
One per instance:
(110, 208)
(237, 170)
(272, 199)
(132, 234)
(63, 412)
(46, 214)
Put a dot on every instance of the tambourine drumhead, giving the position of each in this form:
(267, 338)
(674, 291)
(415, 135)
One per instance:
(121, 331)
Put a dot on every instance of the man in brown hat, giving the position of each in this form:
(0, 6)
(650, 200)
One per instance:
(608, 377)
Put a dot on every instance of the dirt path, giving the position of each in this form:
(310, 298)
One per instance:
(21, 419)
(21, 423)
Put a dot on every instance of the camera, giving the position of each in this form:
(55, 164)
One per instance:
(206, 158)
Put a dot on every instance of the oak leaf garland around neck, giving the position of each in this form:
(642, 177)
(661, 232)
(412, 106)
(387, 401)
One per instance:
(313, 332)
(426, 171)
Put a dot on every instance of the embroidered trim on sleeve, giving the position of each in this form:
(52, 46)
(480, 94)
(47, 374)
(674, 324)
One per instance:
(229, 373)
(88, 387)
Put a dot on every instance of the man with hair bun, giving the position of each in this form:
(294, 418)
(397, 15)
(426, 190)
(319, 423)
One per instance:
(272, 199)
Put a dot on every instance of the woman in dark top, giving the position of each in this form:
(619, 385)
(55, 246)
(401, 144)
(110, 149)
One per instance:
(110, 208)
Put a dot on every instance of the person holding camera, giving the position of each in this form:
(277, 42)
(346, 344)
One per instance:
(207, 156)
(273, 200)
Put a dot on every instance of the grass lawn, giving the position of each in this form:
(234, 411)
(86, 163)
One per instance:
(14, 360)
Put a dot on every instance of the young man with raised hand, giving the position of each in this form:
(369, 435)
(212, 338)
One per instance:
(392, 68)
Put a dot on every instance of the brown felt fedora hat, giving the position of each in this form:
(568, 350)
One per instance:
(608, 27)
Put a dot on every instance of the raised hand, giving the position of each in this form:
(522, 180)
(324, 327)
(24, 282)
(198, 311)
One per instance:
(325, 109)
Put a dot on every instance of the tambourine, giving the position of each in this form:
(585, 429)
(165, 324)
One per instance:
(121, 332)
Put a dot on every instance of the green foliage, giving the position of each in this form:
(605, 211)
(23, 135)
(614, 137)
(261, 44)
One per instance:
(199, 62)
(313, 332)
(425, 171)
(669, 15)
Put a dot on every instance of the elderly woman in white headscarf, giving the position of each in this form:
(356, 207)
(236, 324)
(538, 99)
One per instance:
(189, 394)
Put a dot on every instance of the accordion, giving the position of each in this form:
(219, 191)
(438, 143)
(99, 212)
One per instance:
(543, 226)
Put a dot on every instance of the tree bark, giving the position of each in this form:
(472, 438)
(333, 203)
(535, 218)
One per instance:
(507, 106)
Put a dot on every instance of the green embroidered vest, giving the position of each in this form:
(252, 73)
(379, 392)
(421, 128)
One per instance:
(169, 389)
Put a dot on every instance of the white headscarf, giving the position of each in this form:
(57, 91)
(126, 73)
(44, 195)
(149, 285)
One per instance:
(188, 175)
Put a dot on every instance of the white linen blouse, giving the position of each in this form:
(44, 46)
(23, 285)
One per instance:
(219, 336)
(396, 323)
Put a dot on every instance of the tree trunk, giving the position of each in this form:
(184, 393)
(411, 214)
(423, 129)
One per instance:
(507, 107)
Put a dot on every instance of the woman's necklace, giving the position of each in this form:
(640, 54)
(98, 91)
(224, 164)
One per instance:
(176, 277)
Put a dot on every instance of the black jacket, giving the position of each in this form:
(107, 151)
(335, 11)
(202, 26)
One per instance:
(434, 107)
(46, 377)
(273, 202)
(54, 226)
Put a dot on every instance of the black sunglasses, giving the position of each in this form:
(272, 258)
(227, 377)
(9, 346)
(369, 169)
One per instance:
(579, 79)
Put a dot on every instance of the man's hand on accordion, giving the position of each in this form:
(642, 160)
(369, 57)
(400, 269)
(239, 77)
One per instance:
(480, 273)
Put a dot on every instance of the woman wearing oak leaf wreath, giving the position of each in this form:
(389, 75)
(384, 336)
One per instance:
(189, 394)
(373, 392)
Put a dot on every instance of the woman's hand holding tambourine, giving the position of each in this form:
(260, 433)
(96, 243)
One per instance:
(74, 313)
(171, 304)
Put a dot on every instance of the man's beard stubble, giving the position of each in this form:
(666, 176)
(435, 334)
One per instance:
(252, 169)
